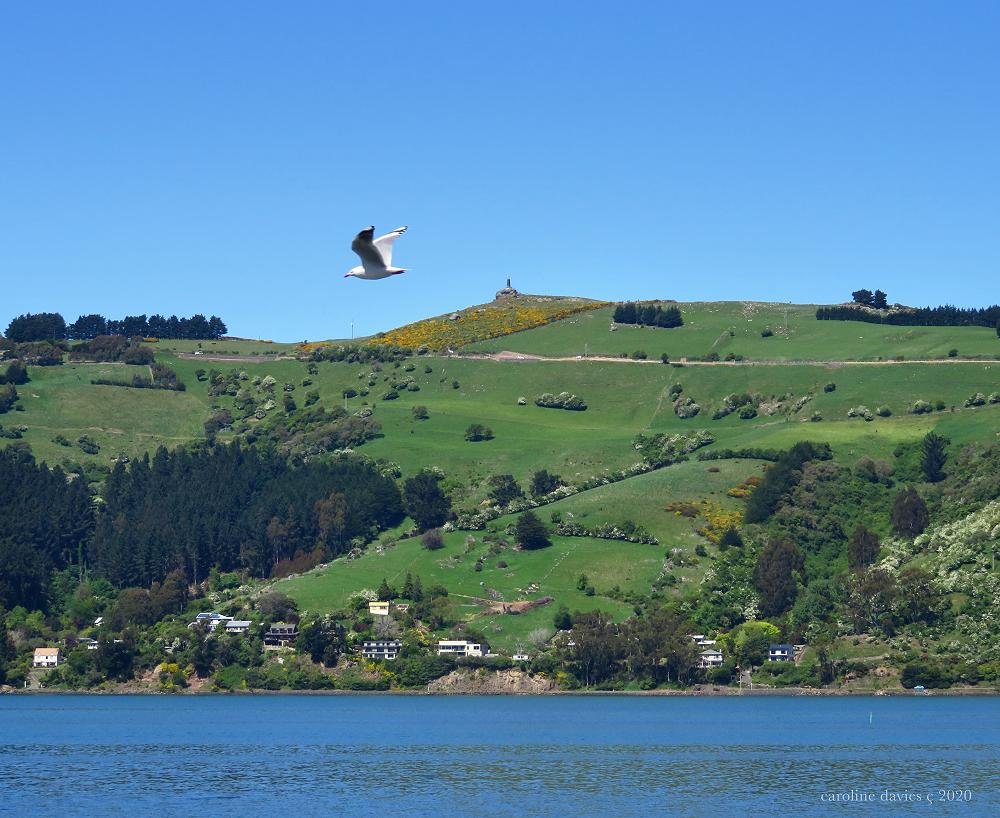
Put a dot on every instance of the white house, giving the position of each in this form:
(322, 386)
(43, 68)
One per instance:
(238, 626)
(521, 657)
(383, 650)
(46, 657)
(87, 642)
(710, 658)
(781, 653)
(462, 647)
(702, 642)
(210, 620)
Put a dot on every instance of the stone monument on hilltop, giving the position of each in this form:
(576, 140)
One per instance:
(507, 292)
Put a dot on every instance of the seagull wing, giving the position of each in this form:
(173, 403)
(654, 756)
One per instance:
(363, 245)
(384, 244)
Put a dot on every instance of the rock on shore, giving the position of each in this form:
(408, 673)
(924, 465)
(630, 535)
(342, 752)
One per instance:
(483, 681)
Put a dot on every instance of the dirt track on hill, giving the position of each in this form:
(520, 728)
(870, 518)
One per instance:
(514, 357)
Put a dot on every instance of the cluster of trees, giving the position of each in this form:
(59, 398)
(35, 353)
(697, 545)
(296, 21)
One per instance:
(195, 328)
(112, 348)
(648, 315)
(944, 316)
(360, 353)
(45, 522)
(654, 648)
(781, 478)
(233, 508)
(877, 300)
(51, 326)
(818, 558)
(34, 353)
(163, 377)
(42, 326)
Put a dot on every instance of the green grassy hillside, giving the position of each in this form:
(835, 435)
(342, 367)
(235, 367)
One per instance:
(553, 572)
(735, 327)
(801, 383)
(624, 398)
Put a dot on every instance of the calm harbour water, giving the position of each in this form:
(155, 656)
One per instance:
(392, 756)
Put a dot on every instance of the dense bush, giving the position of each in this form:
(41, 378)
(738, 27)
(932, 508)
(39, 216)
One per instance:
(477, 432)
(16, 373)
(685, 407)
(946, 316)
(564, 400)
(650, 315)
(781, 478)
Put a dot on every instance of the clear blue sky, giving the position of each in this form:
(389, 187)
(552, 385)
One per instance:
(218, 157)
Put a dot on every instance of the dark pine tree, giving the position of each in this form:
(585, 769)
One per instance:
(909, 513)
(425, 502)
(934, 457)
(774, 576)
(531, 532)
(862, 550)
(504, 489)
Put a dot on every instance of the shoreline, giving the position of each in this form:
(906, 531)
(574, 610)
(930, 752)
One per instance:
(707, 691)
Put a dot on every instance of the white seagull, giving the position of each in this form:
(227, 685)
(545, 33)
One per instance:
(376, 255)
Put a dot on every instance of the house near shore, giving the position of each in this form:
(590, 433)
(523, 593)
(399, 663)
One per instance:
(280, 635)
(702, 641)
(781, 653)
(46, 657)
(381, 650)
(462, 647)
(520, 657)
(710, 658)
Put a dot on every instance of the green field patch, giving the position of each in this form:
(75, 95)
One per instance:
(736, 327)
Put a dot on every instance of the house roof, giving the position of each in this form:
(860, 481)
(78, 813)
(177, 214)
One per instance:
(238, 623)
(782, 648)
(46, 651)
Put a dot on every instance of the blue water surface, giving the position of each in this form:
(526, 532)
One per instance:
(394, 756)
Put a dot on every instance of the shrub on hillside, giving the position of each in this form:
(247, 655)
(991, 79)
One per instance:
(432, 539)
(830, 387)
(477, 432)
(420, 413)
(862, 412)
(8, 397)
(979, 399)
(564, 400)
(921, 407)
(685, 408)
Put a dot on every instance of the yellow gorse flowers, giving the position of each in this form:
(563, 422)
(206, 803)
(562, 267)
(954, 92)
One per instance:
(482, 323)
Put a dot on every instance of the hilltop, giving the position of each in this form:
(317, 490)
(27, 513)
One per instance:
(642, 513)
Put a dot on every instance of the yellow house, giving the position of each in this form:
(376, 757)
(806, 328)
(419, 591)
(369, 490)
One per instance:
(379, 608)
